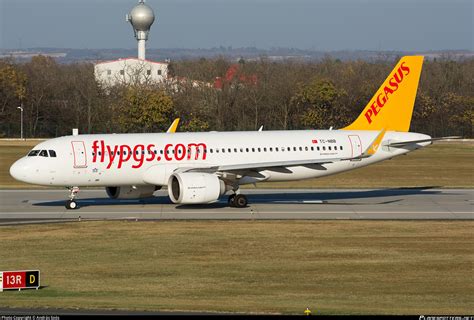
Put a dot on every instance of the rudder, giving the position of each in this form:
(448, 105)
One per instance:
(391, 107)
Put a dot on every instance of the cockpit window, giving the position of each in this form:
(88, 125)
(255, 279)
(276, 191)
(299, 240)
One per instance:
(33, 153)
(52, 153)
(43, 153)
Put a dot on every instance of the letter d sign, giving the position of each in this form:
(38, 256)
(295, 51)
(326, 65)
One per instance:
(32, 279)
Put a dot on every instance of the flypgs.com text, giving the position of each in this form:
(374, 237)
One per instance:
(140, 153)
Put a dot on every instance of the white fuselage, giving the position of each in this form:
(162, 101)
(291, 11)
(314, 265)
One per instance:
(150, 159)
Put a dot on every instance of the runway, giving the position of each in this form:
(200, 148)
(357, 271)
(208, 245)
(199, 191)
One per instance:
(40, 206)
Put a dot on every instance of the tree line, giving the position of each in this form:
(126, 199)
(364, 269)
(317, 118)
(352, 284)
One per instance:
(286, 95)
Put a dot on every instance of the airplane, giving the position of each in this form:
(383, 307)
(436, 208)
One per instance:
(199, 168)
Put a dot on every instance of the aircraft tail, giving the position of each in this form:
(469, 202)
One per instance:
(391, 107)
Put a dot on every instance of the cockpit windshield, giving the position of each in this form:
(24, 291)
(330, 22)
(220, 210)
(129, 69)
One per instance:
(42, 153)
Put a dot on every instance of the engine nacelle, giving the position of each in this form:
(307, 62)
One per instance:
(130, 192)
(195, 187)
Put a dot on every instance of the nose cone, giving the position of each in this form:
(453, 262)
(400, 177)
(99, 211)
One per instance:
(15, 170)
(20, 170)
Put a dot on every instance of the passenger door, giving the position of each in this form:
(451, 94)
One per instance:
(79, 153)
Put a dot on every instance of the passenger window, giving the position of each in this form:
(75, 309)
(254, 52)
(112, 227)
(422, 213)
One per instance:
(229, 150)
(223, 150)
(258, 149)
(264, 149)
(317, 148)
(271, 149)
(301, 148)
(253, 149)
(212, 150)
(294, 148)
(276, 149)
(289, 149)
(33, 153)
(235, 149)
(341, 147)
(324, 148)
(246, 149)
(306, 148)
(312, 148)
(43, 153)
(329, 148)
(241, 149)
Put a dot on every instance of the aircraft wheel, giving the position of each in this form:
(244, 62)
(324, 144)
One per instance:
(71, 205)
(231, 200)
(240, 201)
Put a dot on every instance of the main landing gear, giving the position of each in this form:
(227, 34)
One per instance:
(238, 200)
(71, 204)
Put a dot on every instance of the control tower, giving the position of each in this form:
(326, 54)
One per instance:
(141, 17)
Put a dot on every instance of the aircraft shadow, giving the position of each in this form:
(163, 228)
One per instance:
(307, 197)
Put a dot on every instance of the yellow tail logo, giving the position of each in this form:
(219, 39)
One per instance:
(391, 107)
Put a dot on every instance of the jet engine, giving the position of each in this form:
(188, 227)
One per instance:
(195, 187)
(130, 192)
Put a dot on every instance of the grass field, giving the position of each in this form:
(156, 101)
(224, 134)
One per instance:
(448, 165)
(333, 267)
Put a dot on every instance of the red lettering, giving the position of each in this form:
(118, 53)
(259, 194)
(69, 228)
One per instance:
(124, 156)
(102, 149)
(394, 85)
(151, 152)
(368, 115)
(374, 109)
(399, 75)
(138, 155)
(197, 149)
(94, 150)
(177, 154)
(380, 103)
(166, 152)
(111, 155)
(387, 91)
(405, 68)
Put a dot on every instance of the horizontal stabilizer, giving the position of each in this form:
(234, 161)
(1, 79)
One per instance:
(405, 143)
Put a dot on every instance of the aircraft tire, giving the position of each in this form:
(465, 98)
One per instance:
(71, 205)
(240, 201)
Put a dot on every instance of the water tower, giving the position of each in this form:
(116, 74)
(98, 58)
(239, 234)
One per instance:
(141, 17)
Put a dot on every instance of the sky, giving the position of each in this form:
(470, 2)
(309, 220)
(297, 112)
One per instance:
(325, 25)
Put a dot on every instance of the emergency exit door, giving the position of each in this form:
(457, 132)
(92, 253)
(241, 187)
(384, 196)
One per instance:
(79, 153)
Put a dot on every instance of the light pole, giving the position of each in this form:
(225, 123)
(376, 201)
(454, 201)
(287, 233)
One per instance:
(21, 125)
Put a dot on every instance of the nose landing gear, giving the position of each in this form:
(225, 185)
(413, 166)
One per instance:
(71, 204)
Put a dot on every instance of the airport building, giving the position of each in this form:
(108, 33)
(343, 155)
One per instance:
(134, 70)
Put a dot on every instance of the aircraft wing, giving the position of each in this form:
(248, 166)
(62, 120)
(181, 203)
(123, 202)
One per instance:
(263, 165)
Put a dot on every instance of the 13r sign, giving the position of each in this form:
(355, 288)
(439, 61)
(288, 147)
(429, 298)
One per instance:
(19, 279)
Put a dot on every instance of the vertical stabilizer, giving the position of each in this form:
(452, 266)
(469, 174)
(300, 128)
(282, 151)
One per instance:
(391, 107)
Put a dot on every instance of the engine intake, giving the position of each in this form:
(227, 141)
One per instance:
(195, 187)
(130, 192)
